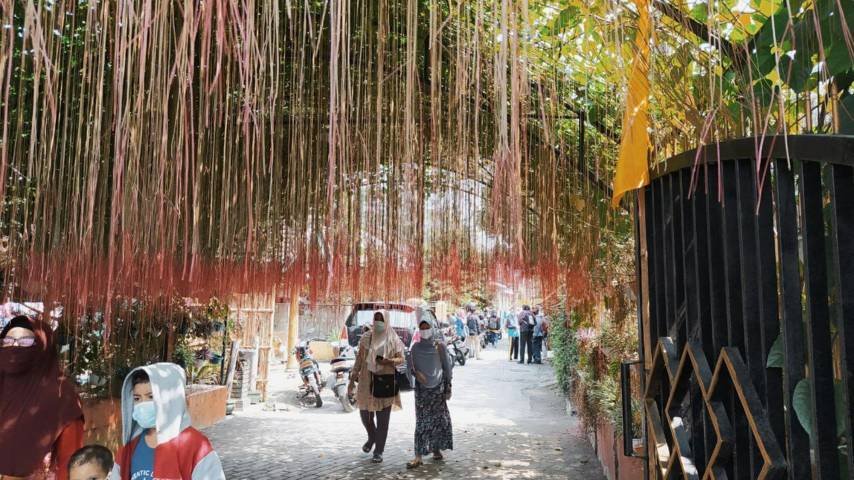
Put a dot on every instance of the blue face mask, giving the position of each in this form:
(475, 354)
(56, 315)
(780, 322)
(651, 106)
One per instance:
(145, 414)
(379, 327)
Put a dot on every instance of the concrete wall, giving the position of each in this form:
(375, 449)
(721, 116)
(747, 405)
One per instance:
(322, 321)
(103, 424)
(315, 321)
(281, 319)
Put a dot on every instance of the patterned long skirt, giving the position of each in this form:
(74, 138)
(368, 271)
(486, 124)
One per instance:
(433, 430)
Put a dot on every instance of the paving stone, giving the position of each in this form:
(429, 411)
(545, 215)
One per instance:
(509, 422)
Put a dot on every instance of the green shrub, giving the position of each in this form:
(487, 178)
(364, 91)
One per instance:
(564, 350)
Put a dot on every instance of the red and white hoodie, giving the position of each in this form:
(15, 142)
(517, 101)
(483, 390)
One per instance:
(182, 452)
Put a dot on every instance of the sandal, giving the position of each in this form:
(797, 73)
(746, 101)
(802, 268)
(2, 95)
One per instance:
(413, 464)
(438, 456)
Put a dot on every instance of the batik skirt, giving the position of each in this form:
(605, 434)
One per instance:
(433, 430)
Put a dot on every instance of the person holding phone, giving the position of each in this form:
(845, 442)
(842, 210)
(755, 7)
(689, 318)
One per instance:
(373, 377)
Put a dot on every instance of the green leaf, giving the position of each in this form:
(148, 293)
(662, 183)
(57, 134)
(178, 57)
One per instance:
(802, 405)
(700, 12)
(567, 18)
(838, 60)
(763, 89)
(776, 356)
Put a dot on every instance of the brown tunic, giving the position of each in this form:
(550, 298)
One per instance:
(362, 376)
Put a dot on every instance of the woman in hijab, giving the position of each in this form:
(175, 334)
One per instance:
(41, 422)
(380, 352)
(431, 366)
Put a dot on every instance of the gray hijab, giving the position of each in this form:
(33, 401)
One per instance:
(431, 360)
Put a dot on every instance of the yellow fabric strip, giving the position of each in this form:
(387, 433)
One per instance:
(632, 163)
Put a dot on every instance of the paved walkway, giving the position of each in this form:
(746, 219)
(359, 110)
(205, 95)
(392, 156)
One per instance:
(509, 423)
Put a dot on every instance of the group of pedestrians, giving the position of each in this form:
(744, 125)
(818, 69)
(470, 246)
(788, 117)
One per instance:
(477, 327)
(469, 326)
(45, 440)
(377, 392)
(528, 332)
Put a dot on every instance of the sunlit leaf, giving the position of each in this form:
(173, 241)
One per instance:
(700, 12)
(567, 18)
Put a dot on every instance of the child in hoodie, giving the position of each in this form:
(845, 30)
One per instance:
(160, 442)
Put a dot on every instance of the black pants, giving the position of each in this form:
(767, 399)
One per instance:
(377, 433)
(514, 348)
(538, 349)
(525, 343)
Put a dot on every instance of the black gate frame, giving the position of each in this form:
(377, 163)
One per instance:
(731, 254)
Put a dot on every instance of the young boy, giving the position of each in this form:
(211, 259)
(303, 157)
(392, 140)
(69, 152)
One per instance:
(160, 441)
(92, 462)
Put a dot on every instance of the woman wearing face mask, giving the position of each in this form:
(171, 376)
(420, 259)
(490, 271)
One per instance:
(380, 351)
(159, 441)
(431, 367)
(46, 426)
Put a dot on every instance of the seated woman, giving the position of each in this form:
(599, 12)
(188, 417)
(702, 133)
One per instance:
(48, 420)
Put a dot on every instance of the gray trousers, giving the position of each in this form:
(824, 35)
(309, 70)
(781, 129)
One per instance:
(377, 433)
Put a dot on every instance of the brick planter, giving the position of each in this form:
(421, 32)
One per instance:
(609, 449)
(206, 405)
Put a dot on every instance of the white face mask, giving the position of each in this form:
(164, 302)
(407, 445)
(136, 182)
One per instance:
(145, 414)
(427, 334)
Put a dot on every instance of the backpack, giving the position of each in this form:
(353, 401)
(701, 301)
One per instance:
(473, 324)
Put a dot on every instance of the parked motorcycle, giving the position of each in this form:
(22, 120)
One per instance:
(492, 337)
(339, 377)
(309, 391)
(457, 349)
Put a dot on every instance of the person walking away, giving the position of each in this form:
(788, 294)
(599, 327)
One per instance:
(374, 377)
(92, 462)
(513, 335)
(460, 326)
(545, 326)
(431, 367)
(157, 432)
(538, 334)
(473, 324)
(42, 421)
(493, 328)
(526, 330)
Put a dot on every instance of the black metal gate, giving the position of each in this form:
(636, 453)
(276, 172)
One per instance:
(746, 276)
